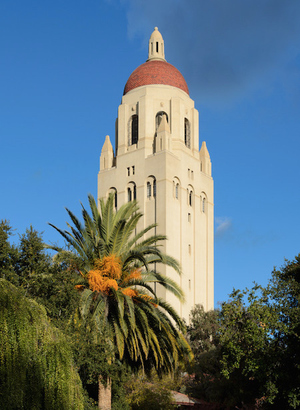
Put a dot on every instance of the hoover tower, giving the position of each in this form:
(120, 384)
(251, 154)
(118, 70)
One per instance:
(157, 161)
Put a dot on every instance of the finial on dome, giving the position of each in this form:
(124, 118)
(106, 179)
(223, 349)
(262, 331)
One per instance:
(156, 46)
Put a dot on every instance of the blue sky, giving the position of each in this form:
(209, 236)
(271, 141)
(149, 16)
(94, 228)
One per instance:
(63, 68)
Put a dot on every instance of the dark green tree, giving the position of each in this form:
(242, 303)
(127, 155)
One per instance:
(36, 363)
(203, 330)
(48, 280)
(205, 381)
(8, 254)
(33, 259)
(247, 355)
(283, 298)
(259, 338)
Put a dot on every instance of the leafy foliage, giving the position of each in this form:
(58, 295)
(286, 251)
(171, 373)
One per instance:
(29, 266)
(118, 277)
(149, 393)
(205, 380)
(247, 355)
(36, 364)
(203, 330)
(8, 254)
(283, 299)
(33, 260)
(91, 352)
(247, 347)
(259, 335)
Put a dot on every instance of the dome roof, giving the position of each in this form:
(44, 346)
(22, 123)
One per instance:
(156, 72)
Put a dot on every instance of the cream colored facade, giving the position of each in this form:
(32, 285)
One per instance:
(157, 161)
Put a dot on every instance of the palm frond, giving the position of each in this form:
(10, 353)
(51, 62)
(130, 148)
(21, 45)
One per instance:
(145, 330)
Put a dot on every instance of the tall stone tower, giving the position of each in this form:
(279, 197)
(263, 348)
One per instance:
(157, 161)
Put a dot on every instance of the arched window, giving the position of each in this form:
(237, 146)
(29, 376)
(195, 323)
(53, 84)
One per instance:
(148, 190)
(187, 133)
(159, 117)
(203, 202)
(190, 195)
(176, 188)
(151, 187)
(131, 191)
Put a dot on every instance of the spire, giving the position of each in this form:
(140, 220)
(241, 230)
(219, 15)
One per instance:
(205, 162)
(156, 46)
(107, 155)
(204, 151)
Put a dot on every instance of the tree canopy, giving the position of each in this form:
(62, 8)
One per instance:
(252, 357)
(36, 362)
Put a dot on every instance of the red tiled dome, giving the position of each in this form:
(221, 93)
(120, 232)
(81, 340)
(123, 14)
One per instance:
(156, 72)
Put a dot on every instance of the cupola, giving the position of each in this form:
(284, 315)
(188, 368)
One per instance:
(156, 46)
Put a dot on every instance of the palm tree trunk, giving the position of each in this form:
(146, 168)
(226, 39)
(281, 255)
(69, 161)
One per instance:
(104, 394)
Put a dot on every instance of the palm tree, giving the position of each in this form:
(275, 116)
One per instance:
(118, 274)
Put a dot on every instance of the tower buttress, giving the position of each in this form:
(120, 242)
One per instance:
(163, 136)
(107, 155)
(205, 162)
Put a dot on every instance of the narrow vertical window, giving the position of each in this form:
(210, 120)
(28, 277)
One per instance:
(128, 171)
(129, 195)
(187, 133)
(133, 170)
(203, 205)
(177, 191)
(134, 129)
(116, 200)
(154, 188)
(148, 190)
(157, 46)
(190, 198)
(134, 191)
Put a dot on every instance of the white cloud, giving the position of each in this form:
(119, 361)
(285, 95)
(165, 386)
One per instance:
(224, 49)
(223, 225)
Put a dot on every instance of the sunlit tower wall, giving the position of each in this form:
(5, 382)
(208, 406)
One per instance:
(157, 161)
